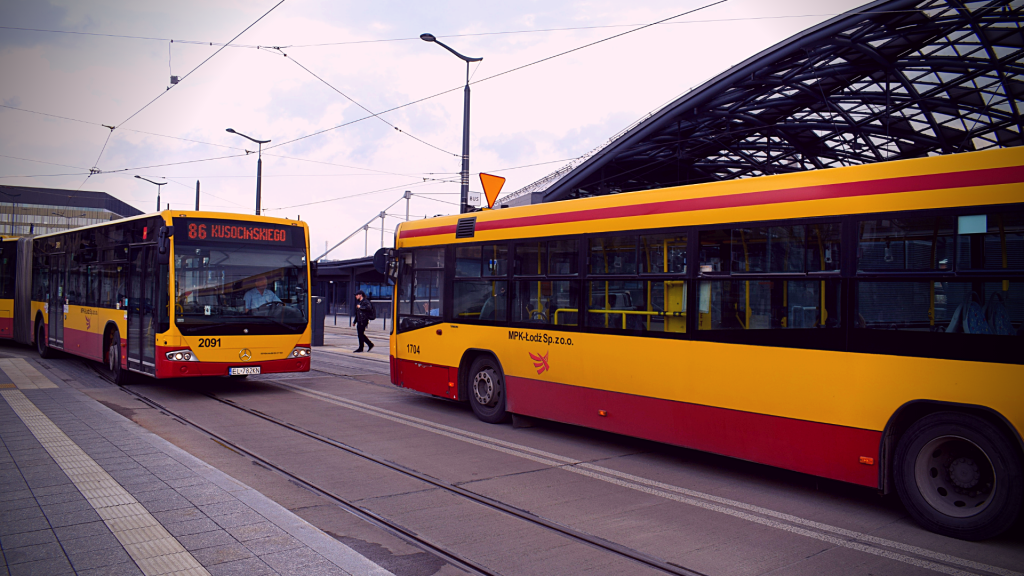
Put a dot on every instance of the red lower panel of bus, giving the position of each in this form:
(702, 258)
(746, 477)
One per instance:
(170, 369)
(429, 378)
(809, 447)
(82, 343)
(6, 327)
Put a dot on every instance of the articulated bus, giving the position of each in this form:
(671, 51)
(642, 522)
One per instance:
(169, 295)
(861, 323)
(8, 273)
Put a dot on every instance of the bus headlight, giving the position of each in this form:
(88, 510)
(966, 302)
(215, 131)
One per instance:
(301, 352)
(181, 356)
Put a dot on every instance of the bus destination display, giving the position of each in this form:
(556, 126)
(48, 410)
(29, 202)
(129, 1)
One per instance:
(228, 231)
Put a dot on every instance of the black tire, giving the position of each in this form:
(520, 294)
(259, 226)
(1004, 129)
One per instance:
(42, 347)
(486, 390)
(959, 476)
(118, 375)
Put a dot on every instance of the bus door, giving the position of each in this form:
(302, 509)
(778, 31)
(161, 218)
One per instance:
(57, 301)
(142, 292)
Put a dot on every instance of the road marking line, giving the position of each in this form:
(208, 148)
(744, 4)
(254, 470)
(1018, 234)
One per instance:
(24, 375)
(149, 544)
(668, 491)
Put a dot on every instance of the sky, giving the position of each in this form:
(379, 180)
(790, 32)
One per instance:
(320, 91)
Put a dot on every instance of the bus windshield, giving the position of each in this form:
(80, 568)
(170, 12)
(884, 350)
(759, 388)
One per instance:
(238, 282)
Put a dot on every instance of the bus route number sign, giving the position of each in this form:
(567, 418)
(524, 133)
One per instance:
(229, 231)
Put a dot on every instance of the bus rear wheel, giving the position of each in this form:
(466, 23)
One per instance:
(42, 347)
(118, 374)
(487, 390)
(958, 475)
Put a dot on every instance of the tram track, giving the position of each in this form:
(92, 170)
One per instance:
(406, 534)
(839, 537)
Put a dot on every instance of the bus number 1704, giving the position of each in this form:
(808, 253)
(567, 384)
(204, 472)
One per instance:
(413, 349)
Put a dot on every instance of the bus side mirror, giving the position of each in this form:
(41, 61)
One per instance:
(163, 244)
(314, 267)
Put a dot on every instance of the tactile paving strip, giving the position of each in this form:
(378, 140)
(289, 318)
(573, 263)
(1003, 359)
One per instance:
(153, 549)
(24, 375)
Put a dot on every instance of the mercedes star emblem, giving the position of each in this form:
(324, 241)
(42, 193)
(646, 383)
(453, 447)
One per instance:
(245, 355)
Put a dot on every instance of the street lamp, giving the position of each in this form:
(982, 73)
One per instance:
(158, 185)
(464, 204)
(259, 165)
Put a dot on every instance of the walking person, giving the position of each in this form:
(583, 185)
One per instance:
(364, 313)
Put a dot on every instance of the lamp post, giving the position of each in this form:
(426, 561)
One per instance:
(464, 203)
(158, 185)
(259, 165)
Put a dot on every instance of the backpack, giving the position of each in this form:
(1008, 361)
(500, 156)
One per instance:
(371, 312)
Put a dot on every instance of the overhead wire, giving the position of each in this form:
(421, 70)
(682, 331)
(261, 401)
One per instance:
(95, 169)
(509, 71)
(208, 58)
(465, 35)
(374, 114)
(215, 145)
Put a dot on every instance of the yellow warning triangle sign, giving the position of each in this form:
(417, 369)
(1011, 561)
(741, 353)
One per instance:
(492, 186)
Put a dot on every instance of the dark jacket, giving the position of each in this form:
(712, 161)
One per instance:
(363, 308)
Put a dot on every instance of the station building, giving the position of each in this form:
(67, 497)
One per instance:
(26, 211)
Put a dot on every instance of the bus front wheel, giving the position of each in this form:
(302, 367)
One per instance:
(42, 347)
(487, 390)
(958, 475)
(118, 374)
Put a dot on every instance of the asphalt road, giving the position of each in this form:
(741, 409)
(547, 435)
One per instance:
(701, 512)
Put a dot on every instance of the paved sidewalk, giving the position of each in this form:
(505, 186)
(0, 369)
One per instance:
(85, 491)
(342, 339)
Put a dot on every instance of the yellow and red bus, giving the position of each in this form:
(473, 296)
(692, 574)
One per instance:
(8, 274)
(860, 323)
(174, 294)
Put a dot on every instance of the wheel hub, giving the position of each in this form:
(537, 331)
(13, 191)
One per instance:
(484, 387)
(964, 473)
(955, 476)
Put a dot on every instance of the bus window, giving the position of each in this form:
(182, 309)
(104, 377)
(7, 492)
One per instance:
(426, 290)
(997, 245)
(992, 307)
(420, 291)
(112, 290)
(405, 284)
(769, 303)
(495, 260)
(774, 249)
(663, 254)
(467, 261)
(8, 257)
(551, 302)
(483, 300)
(227, 286)
(823, 241)
(481, 260)
(649, 306)
(530, 259)
(562, 257)
(918, 243)
(613, 255)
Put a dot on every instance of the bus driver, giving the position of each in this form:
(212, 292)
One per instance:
(259, 295)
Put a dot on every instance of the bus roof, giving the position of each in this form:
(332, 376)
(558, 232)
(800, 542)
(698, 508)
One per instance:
(167, 215)
(974, 178)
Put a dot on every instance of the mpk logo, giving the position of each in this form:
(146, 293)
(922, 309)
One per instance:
(88, 323)
(540, 362)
